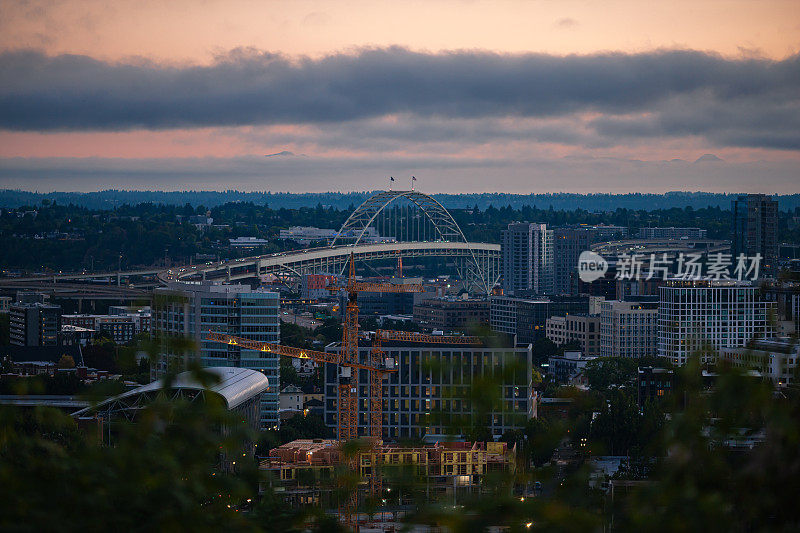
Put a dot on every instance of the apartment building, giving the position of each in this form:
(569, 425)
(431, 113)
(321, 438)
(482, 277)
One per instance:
(34, 324)
(429, 394)
(527, 258)
(628, 328)
(706, 316)
(581, 329)
(755, 229)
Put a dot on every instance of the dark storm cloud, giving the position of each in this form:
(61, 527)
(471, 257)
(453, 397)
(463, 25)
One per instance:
(658, 93)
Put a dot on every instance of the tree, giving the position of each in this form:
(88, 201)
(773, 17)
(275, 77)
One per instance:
(288, 373)
(66, 361)
(617, 425)
(309, 426)
(605, 373)
(543, 348)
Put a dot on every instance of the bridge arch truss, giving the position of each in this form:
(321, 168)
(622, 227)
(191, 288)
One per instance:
(478, 270)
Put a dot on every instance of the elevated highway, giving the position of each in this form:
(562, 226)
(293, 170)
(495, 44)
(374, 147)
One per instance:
(429, 230)
(333, 260)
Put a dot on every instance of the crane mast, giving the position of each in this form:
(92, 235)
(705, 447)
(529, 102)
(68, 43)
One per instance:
(348, 367)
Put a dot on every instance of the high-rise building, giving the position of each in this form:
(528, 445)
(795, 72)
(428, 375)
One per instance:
(755, 229)
(568, 243)
(628, 328)
(193, 309)
(705, 316)
(527, 258)
(429, 393)
(34, 324)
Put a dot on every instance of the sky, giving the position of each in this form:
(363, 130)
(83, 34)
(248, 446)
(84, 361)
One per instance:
(467, 95)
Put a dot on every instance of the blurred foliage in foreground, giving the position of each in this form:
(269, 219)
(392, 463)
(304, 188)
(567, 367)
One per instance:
(724, 458)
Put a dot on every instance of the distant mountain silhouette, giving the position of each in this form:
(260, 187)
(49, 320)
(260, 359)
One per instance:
(708, 158)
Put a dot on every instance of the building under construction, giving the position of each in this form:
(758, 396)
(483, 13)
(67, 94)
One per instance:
(429, 393)
(303, 471)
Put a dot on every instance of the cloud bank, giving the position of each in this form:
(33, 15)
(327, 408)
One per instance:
(593, 99)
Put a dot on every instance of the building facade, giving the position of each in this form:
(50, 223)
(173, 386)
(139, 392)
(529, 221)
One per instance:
(568, 244)
(34, 324)
(775, 359)
(429, 394)
(672, 233)
(565, 367)
(191, 310)
(755, 229)
(451, 314)
(301, 470)
(582, 329)
(527, 318)
(315, 286)
(527, 258)
(628, 329)
(705, 316)
(654, 384)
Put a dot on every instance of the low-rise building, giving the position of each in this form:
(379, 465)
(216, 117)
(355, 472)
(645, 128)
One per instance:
(305, 235)
(451, 314)
(303, 468)
(672, 233)
(121, 329)
(315, 286)
(565, 367)
(581, 329)
(247, 242)
(290, 401)
(654, 383)
(775, 359)
(527, 318)
(74, 335)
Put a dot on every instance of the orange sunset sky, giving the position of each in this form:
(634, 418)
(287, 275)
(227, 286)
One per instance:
(517, 96)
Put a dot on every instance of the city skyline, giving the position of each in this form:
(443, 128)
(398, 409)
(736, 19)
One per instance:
(319, 96)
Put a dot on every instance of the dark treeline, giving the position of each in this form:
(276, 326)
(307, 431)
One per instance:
(111, 199)
(55, 236)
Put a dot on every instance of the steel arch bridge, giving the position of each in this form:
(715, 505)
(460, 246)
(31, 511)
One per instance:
(365, 215)
(477, 270)
(478, 263)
